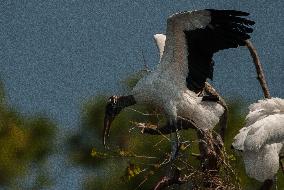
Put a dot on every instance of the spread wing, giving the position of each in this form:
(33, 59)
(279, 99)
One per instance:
(193, 38)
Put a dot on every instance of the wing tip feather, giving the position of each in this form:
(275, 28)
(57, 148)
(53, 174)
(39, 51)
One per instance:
(228, 12)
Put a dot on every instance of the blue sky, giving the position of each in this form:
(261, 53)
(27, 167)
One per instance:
(57, 54)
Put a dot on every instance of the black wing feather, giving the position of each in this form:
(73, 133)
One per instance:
(227, 29)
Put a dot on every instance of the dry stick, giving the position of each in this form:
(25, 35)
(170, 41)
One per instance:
(258, 67)
(146, 68)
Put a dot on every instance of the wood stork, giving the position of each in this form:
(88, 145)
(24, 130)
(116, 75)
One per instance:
(261, 141)
(177, 84)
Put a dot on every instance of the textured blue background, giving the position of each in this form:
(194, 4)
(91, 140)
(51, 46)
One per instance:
(55, 54)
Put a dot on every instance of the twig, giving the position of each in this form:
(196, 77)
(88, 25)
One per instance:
(196, 155)
(167, 181)
(259, 69)
(151, 171)
(182, 124)
(120, 154)
(141, 183)
(152, 129)
(144, 114)
(146, 68)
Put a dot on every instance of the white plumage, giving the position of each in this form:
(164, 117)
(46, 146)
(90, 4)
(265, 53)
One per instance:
(170, 93)
(160, 42)
(262, 139)
(166, 86)
(205, 114)
(158, 88)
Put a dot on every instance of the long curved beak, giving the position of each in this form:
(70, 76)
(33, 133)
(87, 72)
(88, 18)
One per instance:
(114, 106)
(107, 124)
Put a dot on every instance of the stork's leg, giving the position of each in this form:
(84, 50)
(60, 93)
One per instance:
(175, 146)
(267, 184)
(175, 139)
(275, 181)
(212, 95)
(281, 160)
(223, 120)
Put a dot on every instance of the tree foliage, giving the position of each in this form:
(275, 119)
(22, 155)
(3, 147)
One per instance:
(25, 144)
(135, 161)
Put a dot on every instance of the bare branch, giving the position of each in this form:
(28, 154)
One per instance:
(259, 69)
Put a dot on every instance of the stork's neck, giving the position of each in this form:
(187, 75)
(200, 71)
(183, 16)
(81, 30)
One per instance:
(125, 101)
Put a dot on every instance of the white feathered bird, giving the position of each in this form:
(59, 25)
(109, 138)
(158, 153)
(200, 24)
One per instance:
(177, 84)
(261, 141)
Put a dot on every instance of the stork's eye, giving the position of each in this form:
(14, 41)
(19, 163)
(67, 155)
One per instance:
(110, 101)
(113, 99)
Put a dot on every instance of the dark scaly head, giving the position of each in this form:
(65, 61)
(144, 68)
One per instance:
(113, 108)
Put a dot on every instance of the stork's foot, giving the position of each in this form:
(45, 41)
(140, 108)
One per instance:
(211, 97)
(175, 150)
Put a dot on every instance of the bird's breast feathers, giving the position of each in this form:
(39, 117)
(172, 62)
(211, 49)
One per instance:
(172, 95)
